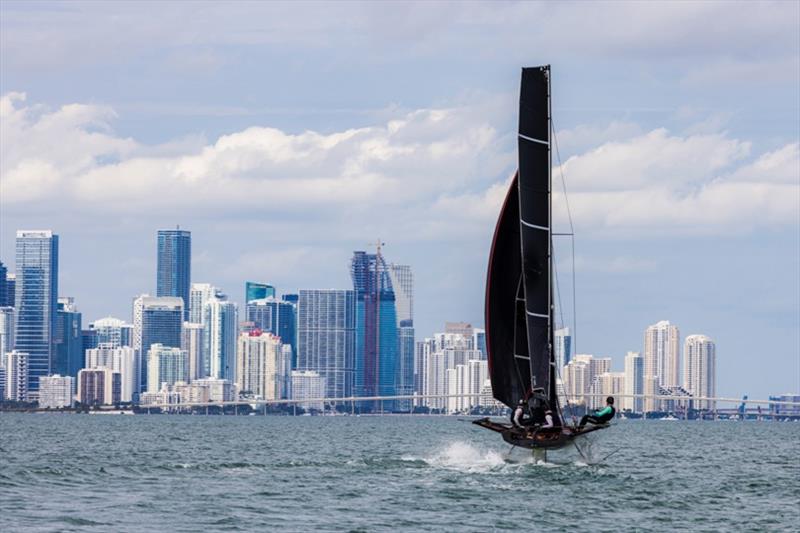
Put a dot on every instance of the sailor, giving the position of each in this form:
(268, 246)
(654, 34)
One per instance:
(548, 420)
(518, 415)
(601, 416)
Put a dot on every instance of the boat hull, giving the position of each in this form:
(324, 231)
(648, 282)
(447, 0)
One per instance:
(535, 438)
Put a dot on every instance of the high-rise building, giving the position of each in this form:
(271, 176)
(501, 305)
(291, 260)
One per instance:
(16, 363)
(217, 390)
(699, 373)
(11, 289)
(277, 317)
(56, 392)
(6, 330)
(291, 298)
(3, 287)
(36, 299)
(662, 353)
(579, 376)
(221, 320)
(68, 354)
(458, 328)
(403, 284)
(479, 341)
(257, 291)
(377, 361)
(308, 385)
(199, 294)
(159, 322)
(120, 359)
(166, 364)
(563, 347)
(441, 357)
(175, 265)
(98, 386)
(634, 382)
(326, 338)
(113, 331)
(192, 342)
(259, 366)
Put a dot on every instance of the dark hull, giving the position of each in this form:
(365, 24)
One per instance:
(532, 438)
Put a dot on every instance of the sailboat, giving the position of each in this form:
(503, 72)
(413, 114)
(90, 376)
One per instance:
(519, 313)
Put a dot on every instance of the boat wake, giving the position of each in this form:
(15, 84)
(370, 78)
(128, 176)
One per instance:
(463, 457)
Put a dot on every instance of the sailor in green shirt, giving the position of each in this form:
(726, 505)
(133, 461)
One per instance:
(601, 416)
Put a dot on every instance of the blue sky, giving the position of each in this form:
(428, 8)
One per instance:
(285, 136)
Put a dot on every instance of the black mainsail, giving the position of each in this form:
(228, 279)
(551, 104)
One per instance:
(519, 304)
(519, 284)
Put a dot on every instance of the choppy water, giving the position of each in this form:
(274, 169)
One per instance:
(190, 473)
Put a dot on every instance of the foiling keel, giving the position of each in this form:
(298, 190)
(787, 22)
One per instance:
(537, 438)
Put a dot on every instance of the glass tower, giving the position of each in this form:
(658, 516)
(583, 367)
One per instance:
(174, 265)
(257, 291)
(68, 356)
(326, 330)
(35, 301)
(162, 319)
(377, 346)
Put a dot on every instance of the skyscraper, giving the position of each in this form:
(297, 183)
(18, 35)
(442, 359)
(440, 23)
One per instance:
(403, 284)
(326, 332)
(700, 365)
(277, 317)
(157, 320)
(113, 331)
(221, 322)
(175, 265)
(36, 299)
(11, 291)
(6, 330)
(377, 362)
(166, 365)
(68, 354)
(258, 365)
(662, 353)
(16, 365)
(192, 342)
(3, 287)
(563, 347)
(257, 291)
(634, 382)
(199, 294)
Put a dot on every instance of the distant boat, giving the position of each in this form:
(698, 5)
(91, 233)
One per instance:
(668, 417)
(520, 307)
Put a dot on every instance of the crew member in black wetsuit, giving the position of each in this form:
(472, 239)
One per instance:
(603, 415)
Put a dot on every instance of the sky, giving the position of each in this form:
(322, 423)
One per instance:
(285, 136)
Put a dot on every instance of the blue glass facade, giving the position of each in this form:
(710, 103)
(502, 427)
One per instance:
(162, 320)
(174, 271)
(35, 301)
(377, 345)
(257, 291)
(68, 339)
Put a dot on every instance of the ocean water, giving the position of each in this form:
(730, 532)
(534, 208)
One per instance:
(391, 473)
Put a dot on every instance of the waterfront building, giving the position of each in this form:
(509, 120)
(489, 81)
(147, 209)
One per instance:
(199, 294)
(174, 272)
(11, 290)
(56, 391)
(662, 353)
(17, 381)
(2, 379)
(326, 338)
(113, 331)
(780, 410)
(216, 390)
(442, 355)
(166, 364)
(479, 341)
(402, 280)
(156, 320)
(167, 396)
(562, 341)
(6, 330)
(274, 316)
(257, 291)
(605, 385)
(309, 385)
(35, 301)
(221, 324)
(464, 384)
(98, 386)
(699, 372)
(192, 342)
(376, 361)
(120, 359)
(634, 382)
(579, 376)
(68, 353)
(651, 388)
(258, 363)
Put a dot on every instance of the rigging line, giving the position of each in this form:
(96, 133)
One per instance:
(572, 238)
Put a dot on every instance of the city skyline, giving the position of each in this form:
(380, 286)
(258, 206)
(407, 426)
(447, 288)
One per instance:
(683, 185)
